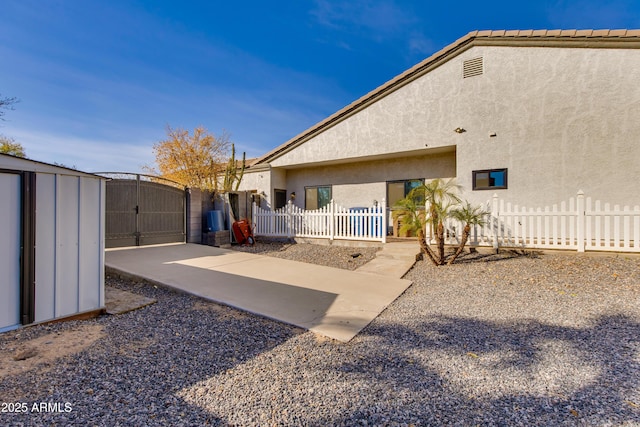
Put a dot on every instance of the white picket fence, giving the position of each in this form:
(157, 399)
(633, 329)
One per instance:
(331, 222)
(581, 224)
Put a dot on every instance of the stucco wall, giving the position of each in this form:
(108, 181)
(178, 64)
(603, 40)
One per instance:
(565, 119)
(359, 184)
(260, 181)
(279, 180)
(569, 120)
(264, 181)
(358, 195)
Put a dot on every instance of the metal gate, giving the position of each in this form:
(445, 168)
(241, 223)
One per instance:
(143, 211)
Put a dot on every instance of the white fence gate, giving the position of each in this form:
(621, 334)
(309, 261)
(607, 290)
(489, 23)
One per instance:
(581, 224)
(330, 222)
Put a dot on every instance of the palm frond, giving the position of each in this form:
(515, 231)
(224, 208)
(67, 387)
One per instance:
(471, 215)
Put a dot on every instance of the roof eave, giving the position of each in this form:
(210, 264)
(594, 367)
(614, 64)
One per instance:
(518, 38)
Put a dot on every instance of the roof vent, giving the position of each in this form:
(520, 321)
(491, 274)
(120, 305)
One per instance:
(472, 67)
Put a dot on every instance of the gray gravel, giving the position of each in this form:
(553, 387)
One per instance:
(497, 340)
(348, 258)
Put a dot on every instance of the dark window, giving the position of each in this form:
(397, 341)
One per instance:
(316, 197)
(280, 199)
(490, 179)
(397, 190)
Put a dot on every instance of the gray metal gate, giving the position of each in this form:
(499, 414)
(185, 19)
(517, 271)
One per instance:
(143, 211)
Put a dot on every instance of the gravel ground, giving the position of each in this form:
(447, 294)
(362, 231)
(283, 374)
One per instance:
(495, 340)
(344, 257)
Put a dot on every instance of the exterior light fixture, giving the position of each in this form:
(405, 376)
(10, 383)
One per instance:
(293, 195)
(459, 130)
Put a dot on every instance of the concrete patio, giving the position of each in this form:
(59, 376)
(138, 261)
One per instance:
(332, 302)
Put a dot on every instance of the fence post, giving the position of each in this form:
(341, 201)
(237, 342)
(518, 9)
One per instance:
(383, 213)
(254, 223)
(428, 225)
(331, 220)
(289, 218)
(495, 219)
(272, 220)
(580, 232)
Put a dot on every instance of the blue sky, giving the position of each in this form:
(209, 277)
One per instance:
(99, 81)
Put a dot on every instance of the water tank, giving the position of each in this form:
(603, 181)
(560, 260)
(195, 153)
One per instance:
(215, 221)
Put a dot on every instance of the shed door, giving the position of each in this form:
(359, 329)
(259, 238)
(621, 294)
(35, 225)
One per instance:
(9, 251)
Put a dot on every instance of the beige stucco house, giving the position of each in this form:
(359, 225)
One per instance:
(533, 116)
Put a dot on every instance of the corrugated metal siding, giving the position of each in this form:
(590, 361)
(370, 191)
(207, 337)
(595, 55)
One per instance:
(9, 250)
(69, 245)
(103, 222)
(89, 244)
(45, 246)
(67, 248)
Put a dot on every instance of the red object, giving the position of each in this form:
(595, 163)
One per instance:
(242, 232)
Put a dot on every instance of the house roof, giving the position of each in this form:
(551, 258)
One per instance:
(523, 38)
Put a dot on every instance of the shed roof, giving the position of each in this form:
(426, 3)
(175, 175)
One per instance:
(612, 39)
(8, 161)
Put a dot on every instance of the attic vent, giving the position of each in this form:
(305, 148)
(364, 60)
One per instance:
(472, 67)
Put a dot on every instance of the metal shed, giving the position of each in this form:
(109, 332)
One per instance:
(51, 242)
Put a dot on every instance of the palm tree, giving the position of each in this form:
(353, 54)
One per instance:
(470, 216)
(413, 218)
(439, 196)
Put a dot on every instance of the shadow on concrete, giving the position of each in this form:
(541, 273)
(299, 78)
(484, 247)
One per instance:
(333, 302)
(295, 305)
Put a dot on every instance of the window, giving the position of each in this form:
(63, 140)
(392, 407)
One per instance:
(491, 179)
(316, 197)
(397, 190)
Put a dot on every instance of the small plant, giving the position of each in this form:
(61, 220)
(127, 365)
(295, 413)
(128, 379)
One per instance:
(470, 216)
(429, 205)
(410, 211)
(439, 196)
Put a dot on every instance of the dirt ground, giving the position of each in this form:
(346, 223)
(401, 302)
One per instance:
(40, 353)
